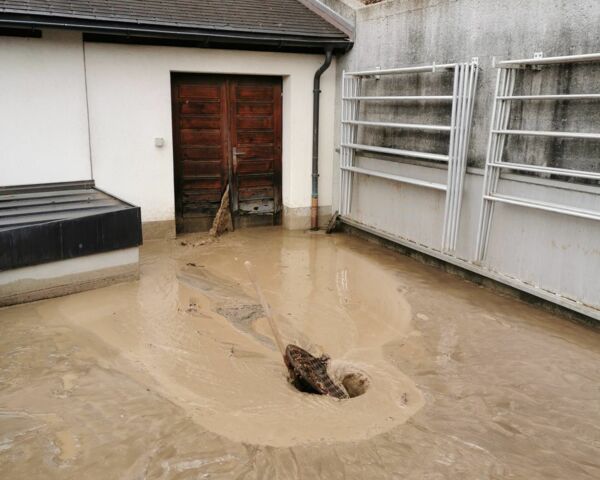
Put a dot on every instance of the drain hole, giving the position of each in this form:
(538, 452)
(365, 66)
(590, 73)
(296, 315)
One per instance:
(355, 384)
(310, 374)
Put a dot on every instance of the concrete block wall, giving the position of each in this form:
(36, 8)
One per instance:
(405, 32)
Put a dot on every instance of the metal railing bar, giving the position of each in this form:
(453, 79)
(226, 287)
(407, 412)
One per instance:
(392, 71)
(485, 205)
(472, 97)
(504, 87)
(472, 85)
(461, 153)
(587, 57)
(569, 96)
(408, 126)
(397, 178)
(342, 151)
(547, 206)
(551, 170)
(396, 151)
(400, 97)
(539, 133)
(503, 121)
(356, 88)
(451, 156)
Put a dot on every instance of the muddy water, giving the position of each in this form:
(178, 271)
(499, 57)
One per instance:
(176, 376)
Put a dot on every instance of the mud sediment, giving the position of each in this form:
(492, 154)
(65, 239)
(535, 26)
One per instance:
(176, 376)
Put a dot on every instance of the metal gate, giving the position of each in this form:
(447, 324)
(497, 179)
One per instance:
(463, 92)
(505, 85)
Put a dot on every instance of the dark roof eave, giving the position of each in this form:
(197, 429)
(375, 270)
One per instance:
(259, 39)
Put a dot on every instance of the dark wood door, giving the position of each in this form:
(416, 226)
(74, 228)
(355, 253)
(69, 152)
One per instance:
(226, 130)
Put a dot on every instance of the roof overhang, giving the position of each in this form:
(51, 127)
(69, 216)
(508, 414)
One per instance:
(123, 32)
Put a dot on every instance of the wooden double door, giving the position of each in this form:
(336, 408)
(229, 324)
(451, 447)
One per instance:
(226, 131)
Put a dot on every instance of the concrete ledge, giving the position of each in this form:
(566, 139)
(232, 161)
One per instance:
(158, 230)
(55, 279)
(476, 274)
(299, 218)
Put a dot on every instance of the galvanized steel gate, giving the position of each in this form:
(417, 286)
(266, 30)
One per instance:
(505, 84)
(464, 86)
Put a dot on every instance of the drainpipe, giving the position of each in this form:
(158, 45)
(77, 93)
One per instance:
(314, 206)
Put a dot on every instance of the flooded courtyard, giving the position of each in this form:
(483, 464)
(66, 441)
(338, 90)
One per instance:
(176, 376)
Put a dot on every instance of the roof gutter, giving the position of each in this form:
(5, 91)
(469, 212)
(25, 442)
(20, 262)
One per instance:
(180, 33)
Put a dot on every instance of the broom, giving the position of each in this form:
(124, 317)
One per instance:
(307, 372)
(266, 309)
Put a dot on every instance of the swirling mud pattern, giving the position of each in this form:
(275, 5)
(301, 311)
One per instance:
(177, 376)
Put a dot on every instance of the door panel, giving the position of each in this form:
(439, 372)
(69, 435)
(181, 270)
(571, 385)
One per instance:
(201, 91)
(256, 137)
(201, 153)
(226, 130)
(255, 166)
(255, 109)
(263, 122)
(204, 122)
(194, 137)
(200, 134)
(195, 107)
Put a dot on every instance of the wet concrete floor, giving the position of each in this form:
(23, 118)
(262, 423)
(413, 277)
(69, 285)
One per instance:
(176, 376)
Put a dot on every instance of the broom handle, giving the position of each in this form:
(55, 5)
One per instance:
(266, 308)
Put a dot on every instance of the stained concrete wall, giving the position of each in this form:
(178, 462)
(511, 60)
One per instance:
(551, 255)
(404, 32)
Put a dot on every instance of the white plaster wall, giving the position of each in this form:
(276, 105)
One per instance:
(130, 104)
(43, 119)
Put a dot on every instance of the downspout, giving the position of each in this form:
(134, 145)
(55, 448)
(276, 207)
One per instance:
(314, 206)
(87, 109)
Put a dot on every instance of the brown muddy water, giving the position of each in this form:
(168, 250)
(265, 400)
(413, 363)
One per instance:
(175, 376)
